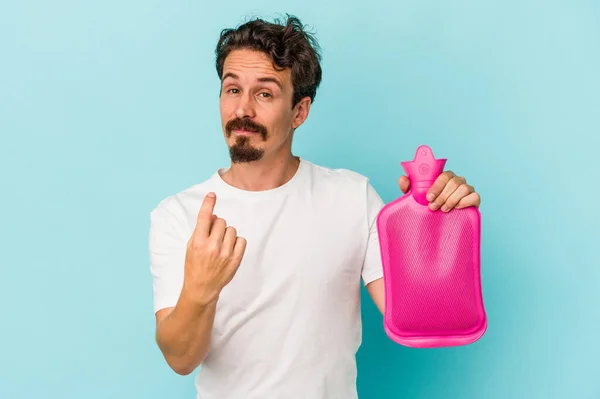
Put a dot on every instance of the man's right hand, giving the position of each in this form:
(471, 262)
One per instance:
(214, 253)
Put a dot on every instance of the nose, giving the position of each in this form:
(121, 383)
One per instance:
(245, 106)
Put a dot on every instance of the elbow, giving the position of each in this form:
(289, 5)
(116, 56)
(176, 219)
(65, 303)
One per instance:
(183, 370)
(183, 365)
(182, 361)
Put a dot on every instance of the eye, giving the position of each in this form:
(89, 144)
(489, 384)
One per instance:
(265, 94)
(233, 91)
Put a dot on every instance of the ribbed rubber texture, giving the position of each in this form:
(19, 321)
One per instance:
(431, 273)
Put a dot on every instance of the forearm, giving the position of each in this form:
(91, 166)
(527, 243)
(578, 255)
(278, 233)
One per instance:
(377, 291)
(184, 335)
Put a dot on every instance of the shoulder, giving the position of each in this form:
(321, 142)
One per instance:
(345, 191)
(345, 183)
(342, 177)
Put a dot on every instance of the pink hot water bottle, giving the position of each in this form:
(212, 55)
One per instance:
(431, 265)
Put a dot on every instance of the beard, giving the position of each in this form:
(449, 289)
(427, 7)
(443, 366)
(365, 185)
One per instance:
(242, 150)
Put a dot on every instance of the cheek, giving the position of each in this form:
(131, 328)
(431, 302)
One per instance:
(282, 120)
(226, 108)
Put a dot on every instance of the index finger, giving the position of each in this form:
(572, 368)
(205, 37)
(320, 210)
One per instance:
(205, 213)
(438, 185)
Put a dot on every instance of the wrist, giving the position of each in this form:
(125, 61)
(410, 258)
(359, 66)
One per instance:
(199, 297)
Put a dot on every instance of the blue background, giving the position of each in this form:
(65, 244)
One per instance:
(108, 107)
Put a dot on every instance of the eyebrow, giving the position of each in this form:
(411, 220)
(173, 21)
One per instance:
(265, 79)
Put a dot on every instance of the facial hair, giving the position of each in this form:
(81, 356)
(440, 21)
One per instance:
(242, 150)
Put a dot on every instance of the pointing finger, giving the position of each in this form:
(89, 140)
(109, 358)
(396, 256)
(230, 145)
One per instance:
(205, 215)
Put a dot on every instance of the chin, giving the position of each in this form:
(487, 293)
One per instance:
(245, 155)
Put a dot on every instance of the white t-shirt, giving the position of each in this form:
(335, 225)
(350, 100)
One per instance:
(288, 325)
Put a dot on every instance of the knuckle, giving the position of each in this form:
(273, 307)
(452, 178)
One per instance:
(212, 247)
(196, 243)
(225, 255)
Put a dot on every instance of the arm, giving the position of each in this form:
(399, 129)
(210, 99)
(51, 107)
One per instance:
(212, 256)
(183, 334)
(372, 269)
(376, 290)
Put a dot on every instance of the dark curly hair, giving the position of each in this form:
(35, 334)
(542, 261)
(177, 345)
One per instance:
(289, 45)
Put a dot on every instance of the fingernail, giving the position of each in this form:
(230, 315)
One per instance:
(434, 206)
(444, 208)
(211, 195)
(430, 196)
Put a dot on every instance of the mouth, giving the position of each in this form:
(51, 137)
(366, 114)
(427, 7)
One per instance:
(244, 132)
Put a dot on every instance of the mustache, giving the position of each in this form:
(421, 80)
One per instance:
(245, 124)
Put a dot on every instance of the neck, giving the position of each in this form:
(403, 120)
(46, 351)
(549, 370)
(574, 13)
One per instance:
(266, 174)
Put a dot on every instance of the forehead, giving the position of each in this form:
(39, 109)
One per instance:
(253, 64)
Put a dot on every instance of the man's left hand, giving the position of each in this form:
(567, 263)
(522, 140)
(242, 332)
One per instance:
(447, 192)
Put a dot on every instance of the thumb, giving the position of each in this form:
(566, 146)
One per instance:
(404, 184)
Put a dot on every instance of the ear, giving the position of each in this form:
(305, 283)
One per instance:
(301, 112)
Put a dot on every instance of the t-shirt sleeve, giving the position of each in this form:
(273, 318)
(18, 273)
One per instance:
(167, 246)
(372, 268)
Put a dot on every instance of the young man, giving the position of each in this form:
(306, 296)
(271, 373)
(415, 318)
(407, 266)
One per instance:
(257, 270)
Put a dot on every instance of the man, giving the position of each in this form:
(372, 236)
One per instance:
(257, 270)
